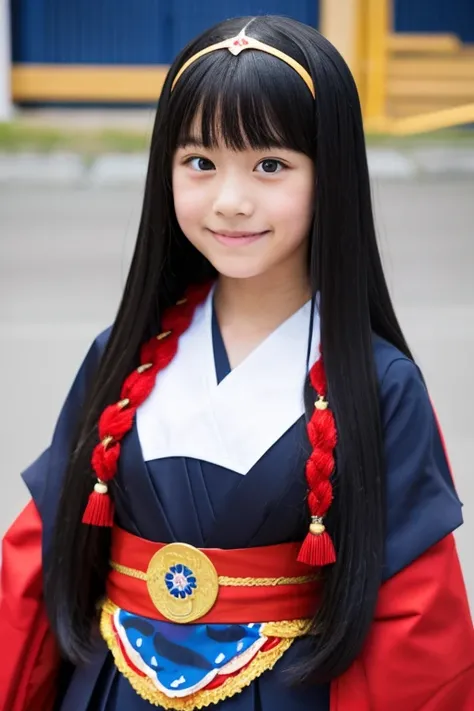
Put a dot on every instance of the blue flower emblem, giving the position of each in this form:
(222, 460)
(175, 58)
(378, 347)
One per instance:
(180, 581)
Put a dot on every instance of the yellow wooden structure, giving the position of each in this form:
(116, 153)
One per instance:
(409, 83)
(87, 82)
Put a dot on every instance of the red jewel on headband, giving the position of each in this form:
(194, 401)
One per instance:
(242, 42)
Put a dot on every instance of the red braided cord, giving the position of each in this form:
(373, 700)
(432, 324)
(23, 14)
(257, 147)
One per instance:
(317, 377)
(318, 549)
(117, 419)
(323, 438)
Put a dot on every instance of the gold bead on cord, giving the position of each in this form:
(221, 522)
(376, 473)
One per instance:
(163, 335)
(146, 366)
(316, 526)
(101, 487)
(106, 441)
(321, 403)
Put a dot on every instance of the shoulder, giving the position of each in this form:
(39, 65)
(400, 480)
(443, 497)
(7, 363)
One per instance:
(401, 383)
(99, 343)
(102, 339)
(391, 363)
(93, 356)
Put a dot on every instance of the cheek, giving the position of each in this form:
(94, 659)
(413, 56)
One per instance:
(185, 210)
(293, 207)
(188, 204)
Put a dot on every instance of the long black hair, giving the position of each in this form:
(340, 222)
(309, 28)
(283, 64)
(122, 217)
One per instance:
(257, 100)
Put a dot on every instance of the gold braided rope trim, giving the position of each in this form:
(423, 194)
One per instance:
(263, 661)
(265, 582)
(131, 572)
(225, 580)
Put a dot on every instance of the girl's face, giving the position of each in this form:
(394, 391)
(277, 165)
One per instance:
(248, 212)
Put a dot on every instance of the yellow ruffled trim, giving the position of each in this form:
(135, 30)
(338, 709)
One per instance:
(263, 661)
(289, 629)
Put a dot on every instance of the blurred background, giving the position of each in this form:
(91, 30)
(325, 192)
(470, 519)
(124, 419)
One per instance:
(79, 83)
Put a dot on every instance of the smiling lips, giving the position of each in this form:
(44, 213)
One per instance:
(237, 238)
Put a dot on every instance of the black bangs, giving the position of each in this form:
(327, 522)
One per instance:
(253, 100)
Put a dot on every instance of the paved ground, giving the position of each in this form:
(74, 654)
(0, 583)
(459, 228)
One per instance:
(64, 252)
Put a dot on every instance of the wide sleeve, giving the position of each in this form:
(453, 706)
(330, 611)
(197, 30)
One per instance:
(422, 503)
(29, 656)
(419, 654)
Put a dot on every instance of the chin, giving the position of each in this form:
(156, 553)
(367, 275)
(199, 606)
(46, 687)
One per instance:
(232, 269)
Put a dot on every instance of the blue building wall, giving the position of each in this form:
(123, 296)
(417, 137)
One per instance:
(90, 31)
(455, 16)
(127, 31)
(154, 31)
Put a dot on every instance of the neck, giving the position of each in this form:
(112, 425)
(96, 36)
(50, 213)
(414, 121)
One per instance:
(259, 304)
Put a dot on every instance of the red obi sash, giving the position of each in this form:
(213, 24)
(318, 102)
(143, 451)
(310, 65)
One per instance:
(179, 583)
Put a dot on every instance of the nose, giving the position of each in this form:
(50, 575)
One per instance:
(232, 197)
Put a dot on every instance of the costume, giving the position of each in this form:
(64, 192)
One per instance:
(198, 467)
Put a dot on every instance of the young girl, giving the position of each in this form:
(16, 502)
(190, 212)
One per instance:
(246, 501)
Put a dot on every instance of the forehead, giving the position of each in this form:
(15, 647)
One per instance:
(213, 126)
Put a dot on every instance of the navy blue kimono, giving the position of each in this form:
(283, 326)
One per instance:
(215, 501)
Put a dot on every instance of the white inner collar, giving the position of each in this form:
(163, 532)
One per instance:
(233, 423)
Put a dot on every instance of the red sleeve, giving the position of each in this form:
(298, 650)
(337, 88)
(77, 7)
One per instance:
(419, 655)
(29, 659)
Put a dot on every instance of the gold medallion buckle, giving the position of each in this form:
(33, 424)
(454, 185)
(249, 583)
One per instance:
(182, 582)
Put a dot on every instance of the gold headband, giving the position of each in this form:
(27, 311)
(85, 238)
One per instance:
(240, 42)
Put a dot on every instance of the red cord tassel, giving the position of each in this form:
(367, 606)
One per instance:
(317, 549)
(99, 510)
